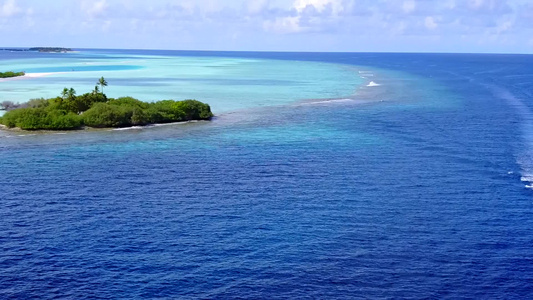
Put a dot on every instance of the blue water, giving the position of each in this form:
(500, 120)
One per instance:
(412, 189)
(226, 83)
(82, 68)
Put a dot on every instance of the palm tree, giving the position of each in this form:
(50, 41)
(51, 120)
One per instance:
(64, 93)
(71, 93)
(96, 90)
(102, 82)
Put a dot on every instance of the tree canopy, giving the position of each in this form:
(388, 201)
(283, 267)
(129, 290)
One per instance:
(102, 82)
(10, 74)
(94, 109)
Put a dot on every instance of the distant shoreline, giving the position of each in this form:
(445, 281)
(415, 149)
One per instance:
(11, 74)
(51, 49)
(29, 76)
(100, 129)
(39, 49)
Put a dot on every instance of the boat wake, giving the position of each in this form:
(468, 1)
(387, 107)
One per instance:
(525, 155)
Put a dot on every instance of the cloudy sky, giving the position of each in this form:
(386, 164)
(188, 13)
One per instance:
(502, 26)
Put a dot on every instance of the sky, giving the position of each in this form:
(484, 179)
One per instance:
(471, 26)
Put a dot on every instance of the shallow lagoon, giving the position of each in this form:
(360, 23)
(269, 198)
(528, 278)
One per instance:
(227, 84)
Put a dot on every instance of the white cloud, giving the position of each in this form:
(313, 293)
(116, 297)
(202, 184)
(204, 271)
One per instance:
(503, 27)
(319, 5)
(94, 9)
(303, 20)
(476, 3)
(9, 9)
(268, 24)
(430, 23)
(409, 6)
(256, 6)
(399, 29)
(106, 25)
(283, 25)
(451, 4)
(30, 21)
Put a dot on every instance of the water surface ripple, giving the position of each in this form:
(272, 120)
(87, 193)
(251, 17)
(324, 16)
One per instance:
(418, 196)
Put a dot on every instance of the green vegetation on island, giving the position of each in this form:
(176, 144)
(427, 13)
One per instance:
(10, 74)
(50, 49)
(94, 109)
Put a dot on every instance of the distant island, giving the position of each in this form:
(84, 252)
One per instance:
(13, 49)
(96, 110)
(51, 49)
(39, 49)
(10, 74)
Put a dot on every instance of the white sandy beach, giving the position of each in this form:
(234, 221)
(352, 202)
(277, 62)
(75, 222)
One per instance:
(28, 76)
(36, 75)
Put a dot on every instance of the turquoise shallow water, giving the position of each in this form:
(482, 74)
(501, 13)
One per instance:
(412, 189)
(227, 84)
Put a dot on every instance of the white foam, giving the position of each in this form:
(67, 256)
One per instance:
(527, 178)
(155, 125)
(129, 128)
(372, 83)
(173, 123)
(366, 73)
(330, 101)
(524, 157)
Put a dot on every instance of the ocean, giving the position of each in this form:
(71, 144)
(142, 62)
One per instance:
(322, 176)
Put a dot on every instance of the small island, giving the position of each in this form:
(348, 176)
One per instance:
(96, 110)
(11, 74)
(14, 49)
(51, 49)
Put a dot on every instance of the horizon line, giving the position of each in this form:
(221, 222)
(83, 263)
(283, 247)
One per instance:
(268, 51)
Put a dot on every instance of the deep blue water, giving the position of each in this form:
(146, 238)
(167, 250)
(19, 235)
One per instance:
(419, 196)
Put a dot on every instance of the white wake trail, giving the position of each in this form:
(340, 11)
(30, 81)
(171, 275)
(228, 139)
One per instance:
(525, 158)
